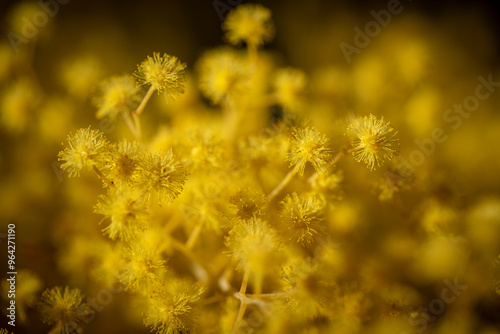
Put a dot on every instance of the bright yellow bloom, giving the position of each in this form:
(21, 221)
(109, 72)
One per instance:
(223, 72)
(308, 145)
(373, 140)
(127, 211)
(251, 245)
(64, 309)
(247, 204)
(125, 158)
(141, 269)
(162, 173)
(117, 95)
(302, 218)
(249, 23)
(290, 84)
(165, 73)
(86, 148)
(173, 312)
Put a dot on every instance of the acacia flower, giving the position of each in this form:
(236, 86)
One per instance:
(125, 157)
(127, 211)
(301, 218)
(117, 95)
(162, 173)
(289, 84)
(251, 245)
(163, 73)
(308, 145)
(86, 148)
(222, 72)
(249, 23)
(64, 309)
(173, 312)
(373, 141)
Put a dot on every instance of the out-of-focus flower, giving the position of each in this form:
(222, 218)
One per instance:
(249, 23)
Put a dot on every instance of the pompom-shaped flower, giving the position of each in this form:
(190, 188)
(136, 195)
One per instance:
(127, 211)
(162, 173)
(290, 84)
(142, 263)
(164, 73)
(117, 95)
(223, 72)
(173, 312)
(308, 145)
(247, 204)
(252, 244)
(373, 141)
(86, 148)
(125, 158)
(249, 23)
(302, 218)
(64, 309)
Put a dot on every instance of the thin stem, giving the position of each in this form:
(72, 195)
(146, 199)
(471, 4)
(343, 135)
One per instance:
(144, 101)
(343, 152)
(104, 178)
(252, 56)
(193, 237)
(130, 124)
(282, 185)
(243, 304)
(137, 122)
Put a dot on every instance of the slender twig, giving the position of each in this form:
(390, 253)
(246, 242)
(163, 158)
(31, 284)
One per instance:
(193, 237)
(104, 178)
(243, 304)
(282, 185)
(144, 101)
(130, 124)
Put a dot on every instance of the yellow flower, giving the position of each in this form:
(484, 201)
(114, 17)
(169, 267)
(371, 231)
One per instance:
(165, 73)
(308, 145)
(140, 271)
(290, 84)
(302, 218)
(251, 245)
(127, 211)
(373, 141)
(162, 173)
(125, 158)
(117, 95)
(86, 148)
(222, 72)
(247, 204)
(173, 311)
(249, 23)
(64, 309)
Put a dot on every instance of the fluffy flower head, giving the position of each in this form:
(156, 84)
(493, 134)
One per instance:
(163, 73)
(374, 140)
(308, 145)
(85, 149)
(250, 23)
(117, 95)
